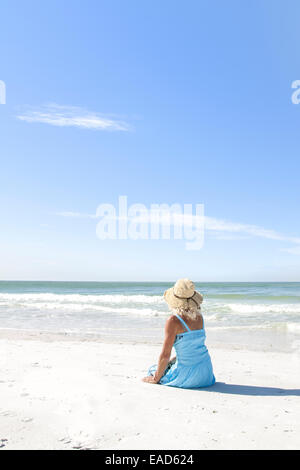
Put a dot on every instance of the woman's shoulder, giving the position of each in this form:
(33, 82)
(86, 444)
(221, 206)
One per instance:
(172, 322)
(174, 325)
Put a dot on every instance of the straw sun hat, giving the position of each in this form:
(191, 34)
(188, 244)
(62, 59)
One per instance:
(183, 295)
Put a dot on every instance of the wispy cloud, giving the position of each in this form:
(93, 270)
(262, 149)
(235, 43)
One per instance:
(71, 116)
(222, 229)
(229, 236)
(76, 215)
(294, 250)
(218, 225)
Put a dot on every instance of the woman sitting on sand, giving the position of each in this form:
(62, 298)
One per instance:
(192, 367)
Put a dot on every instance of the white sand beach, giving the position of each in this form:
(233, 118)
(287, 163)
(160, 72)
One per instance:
(64, 393)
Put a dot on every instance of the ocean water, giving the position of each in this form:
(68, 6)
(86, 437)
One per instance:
(260, 314)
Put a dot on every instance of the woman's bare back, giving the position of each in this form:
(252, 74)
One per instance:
(193, 324)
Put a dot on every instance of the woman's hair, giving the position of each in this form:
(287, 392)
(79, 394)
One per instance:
(190, 312)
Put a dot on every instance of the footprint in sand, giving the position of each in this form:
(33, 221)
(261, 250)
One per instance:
(26, 420)
(3, 442)
(65, 440)
(8, 413)
(82, 446)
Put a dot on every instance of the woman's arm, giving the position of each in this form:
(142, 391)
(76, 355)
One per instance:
(170, 334)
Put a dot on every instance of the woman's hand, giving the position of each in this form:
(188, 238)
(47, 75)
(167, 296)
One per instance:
(150, 379)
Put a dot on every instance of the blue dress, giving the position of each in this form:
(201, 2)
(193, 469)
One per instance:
(193, 367)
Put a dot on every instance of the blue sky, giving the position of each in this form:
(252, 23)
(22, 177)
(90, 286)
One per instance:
(164, 102)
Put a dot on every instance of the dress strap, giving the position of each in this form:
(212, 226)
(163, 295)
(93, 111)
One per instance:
(183, 322)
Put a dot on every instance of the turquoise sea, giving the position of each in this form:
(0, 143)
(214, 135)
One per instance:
(249, 314)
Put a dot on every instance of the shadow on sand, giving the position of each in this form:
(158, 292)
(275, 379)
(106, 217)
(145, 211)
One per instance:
(234, 389)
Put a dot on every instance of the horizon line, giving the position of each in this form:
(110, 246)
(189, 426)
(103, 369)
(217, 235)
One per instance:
(150, 282)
